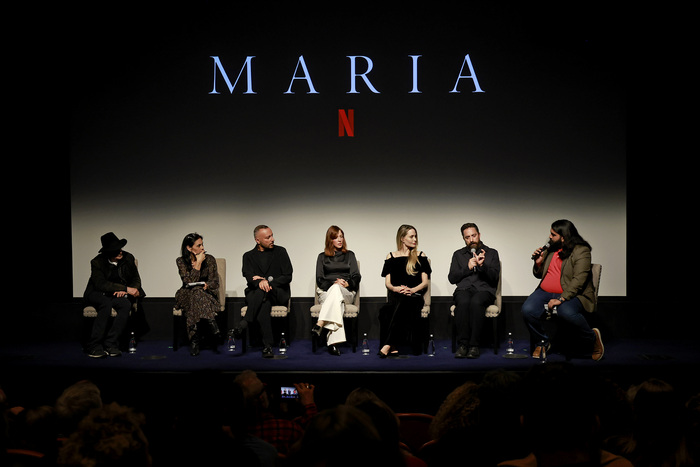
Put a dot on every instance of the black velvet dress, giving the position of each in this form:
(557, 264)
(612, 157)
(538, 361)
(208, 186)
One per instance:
(399, 319)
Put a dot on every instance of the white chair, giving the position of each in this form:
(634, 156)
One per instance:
(178, 318)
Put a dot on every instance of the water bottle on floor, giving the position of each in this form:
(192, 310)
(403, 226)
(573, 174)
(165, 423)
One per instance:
(132, 343)
(365, 345)
(431, 346)
(283, 345)
(231, 344)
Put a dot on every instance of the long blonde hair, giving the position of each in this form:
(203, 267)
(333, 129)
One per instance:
(412, 254)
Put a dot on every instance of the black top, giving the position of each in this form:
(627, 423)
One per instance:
(270, 263)
(340, 266)
(396, 267)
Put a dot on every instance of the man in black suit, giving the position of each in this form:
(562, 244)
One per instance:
(114, 283)
(475, 270)
(268, 273)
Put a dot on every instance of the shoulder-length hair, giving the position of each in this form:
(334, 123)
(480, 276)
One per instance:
(188, 241)
(413, 254)
(568, 230)
(331, 234)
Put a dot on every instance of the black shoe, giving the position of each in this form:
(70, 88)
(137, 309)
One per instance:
(461, 352)
(113, 352)
(267, 352)
(214, 327)
(473, 352)
(333, 350)
(316, 330)
(238, 330)
(96, 352)
(194, 346)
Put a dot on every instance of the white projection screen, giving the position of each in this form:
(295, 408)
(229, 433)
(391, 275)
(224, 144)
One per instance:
(508, 116)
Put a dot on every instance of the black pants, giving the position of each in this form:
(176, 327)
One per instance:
(260, 308)
(470, 314)
(102, 332)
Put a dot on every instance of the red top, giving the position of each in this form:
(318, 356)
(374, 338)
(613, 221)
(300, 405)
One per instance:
(552, 279)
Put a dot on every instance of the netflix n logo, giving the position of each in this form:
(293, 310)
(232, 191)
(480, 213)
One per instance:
(346, 122)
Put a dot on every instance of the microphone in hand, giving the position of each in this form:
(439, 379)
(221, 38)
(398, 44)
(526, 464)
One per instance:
(541, 250)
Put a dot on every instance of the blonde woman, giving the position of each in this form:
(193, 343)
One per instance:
(337, 281)
(406, 275)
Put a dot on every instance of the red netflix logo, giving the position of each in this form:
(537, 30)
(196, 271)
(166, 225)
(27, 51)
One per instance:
(346, 122)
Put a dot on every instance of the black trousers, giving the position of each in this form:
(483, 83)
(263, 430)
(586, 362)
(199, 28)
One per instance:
(470, 314)
(102, 332)
(260, 308)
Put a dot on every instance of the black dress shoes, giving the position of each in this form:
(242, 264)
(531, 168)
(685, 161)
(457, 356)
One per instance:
(473, 352)
(267, 352)
(194, 347)
(333, 350)
(461, 352)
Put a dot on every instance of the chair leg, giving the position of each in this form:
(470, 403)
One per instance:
(495, 334)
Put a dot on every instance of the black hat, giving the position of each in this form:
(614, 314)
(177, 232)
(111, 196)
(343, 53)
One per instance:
(111, 243)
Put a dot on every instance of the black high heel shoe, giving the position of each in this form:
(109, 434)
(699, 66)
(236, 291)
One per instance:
(333, 350)
(316, 330)
(194, 346)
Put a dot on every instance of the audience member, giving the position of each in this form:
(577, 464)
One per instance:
(111, 435)
(343, 436)
(74, 403)
(263, 423)
(384, 420)
(559, 418)
(659, 429)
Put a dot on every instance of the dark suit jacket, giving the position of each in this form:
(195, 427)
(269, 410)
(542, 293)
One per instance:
(100, 271)
(486, 277)
(279, 267)
(576, 277)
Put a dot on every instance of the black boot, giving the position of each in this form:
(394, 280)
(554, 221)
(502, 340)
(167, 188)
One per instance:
(214, 328)
(194, 342)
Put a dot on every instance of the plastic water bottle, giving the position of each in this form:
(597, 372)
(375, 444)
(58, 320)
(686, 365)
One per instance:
(510, 350)
(283, 345)
(431, 346)
(543, 354)
(132, 343)
(365, 345)
(231, 343)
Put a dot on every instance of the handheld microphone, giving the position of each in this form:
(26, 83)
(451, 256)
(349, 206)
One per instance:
(476, 268)
(544, 248)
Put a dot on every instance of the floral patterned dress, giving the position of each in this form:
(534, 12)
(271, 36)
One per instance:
(196, 302)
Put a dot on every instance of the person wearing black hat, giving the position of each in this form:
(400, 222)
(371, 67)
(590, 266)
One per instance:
(114, 283)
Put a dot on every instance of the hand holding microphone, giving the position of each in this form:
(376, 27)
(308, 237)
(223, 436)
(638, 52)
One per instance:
(540, 251)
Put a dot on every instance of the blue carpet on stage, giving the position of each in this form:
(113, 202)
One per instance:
(158, 356)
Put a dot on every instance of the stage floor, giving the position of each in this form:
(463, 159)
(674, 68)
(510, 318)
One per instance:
(38, 372)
